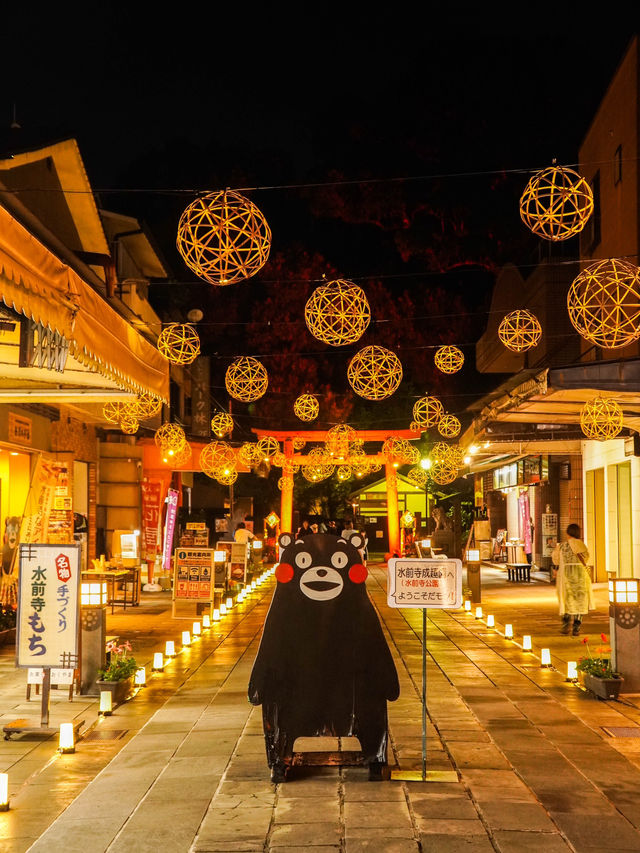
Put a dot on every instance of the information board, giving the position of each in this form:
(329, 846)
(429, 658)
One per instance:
(425, 583)
(48, 605)
(236, 560)
(193, 574)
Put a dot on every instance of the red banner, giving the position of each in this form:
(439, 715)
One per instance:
(151, 497)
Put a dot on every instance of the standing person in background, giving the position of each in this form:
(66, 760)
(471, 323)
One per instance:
(242, 534)
(349, 529)
(332, 528)
(573, 585)
(304, 529)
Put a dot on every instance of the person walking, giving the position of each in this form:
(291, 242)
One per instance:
(573, 584)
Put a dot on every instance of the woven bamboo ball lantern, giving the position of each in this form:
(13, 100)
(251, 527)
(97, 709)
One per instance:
(306, 407)
(114, 411)
(144, 406)
(222, 424)
(298, 443)
(290, 467)
(339, 440)
(441, 451)
(337, 313)
(179, 343)
(279, 459)
(226, 476)
(129, 425)
(414, 426)
(318, 466)
(246, 379)
(179, 458)
(449, 359)
(427, 411)
(374, 373)
(456, 455)
(249, 454)
(601, 419)
(170, 436)
(556, 203)
(285, 481)
(604, 303)
(442, 472)
(519, 331)
(216, 455)
(223, 237)
(344, 473)
(268, 447)
(418, 476)
(449, 426)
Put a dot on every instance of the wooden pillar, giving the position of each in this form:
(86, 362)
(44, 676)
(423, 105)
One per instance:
(286, 500)
(393, 520)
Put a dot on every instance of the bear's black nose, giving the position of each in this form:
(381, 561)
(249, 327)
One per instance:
(321, 573)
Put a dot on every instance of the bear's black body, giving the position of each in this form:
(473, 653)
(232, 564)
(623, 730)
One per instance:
(323, 666)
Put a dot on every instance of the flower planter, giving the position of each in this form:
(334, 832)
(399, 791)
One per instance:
(119, 690)
(604, 688)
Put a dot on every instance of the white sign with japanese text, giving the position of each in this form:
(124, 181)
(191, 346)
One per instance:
(48, 605)
(425, 583)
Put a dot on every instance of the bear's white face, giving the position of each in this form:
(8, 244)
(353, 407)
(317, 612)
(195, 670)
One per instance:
(320, 583)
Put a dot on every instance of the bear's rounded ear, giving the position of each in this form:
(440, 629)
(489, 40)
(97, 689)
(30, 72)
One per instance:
(285, 539)
(356, 540)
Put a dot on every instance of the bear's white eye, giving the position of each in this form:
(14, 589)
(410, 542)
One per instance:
(339, 559)
(303, 560)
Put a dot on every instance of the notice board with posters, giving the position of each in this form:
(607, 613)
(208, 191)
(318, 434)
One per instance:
(48, 605)
(193, 574)
(236, 560)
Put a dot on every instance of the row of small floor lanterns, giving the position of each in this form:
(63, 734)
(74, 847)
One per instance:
(66, 743)
(545, 654)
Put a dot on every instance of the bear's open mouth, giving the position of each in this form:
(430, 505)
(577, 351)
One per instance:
(321, 586)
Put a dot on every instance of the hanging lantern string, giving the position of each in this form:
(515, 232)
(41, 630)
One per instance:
(196, 191)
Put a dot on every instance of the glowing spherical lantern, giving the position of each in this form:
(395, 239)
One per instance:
(279, 459)
(344, 473)
(180, 457)
(170, 436)
(449, 426)
(306, 407)
(226, 476)
(249, 454)
(520, 330)
(268, 447)
(401, 450)
(414, 426)
(179, 343)
(246, 379)
(442, 472)
(374, 373)
(456, 455)
(298, 442)
(223, 237)
(144, 406)
(129, 425)
(222, 424)
(441, 451)
(337, 313)
(601, 419)
(339, 439)
(556, 203)
(427, 411)
(319, 465)
(114, 411)
(418, 476)
(285, 482)
(449, 359)
(604, 303)
(216, 455)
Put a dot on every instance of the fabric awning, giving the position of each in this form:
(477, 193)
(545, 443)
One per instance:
(34, 282)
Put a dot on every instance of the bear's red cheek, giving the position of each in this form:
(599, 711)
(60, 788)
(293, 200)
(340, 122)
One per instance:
(358, 573)
(284, 572)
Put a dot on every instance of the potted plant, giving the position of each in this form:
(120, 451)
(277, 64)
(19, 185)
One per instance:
(598, 675)
(118, 676)
(7, 624)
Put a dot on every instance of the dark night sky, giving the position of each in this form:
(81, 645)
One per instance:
(210, 100)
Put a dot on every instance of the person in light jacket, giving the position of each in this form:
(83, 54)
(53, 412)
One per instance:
(573, 583)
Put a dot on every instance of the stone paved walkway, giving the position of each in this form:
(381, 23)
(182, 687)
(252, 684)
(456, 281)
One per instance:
(536, 769)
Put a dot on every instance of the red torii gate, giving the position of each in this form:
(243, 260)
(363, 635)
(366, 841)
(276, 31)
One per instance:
(318, 435)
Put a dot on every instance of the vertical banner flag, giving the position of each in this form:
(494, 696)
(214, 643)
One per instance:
(48, 606)
(169, 526)
(151, 496)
